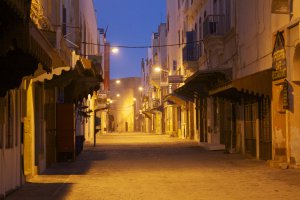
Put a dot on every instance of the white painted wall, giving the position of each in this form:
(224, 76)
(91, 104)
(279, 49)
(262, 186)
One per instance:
(10, 166)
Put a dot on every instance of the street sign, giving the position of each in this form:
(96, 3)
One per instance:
(175, 79)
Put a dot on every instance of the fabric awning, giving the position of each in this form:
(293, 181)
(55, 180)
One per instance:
(147, 114)
(186, 92)
(48, 76)
(22, 48)
(158, 109)
(258, 84)
(179, 100)
(201, 81)
(78, 82)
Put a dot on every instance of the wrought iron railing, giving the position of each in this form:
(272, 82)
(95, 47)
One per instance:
(65, 52)
(214, 25)
(192, 52)
(155, 102)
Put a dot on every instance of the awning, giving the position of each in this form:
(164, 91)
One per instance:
(175, 98)
(158, 109)
(78, 82)
(186, 92)
(257, 84)
(23, 46)
(48, 76)
(201, 81)
(148, 114)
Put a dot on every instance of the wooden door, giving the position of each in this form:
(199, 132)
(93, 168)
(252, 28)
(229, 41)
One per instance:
(50, 127)
(251, 110)
(65, 127)
(265, 136)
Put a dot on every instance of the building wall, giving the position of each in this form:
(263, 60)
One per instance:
(255, 43)
(286, 128)
(10, 120)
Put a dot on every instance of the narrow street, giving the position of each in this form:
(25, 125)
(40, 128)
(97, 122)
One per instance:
(143, 166)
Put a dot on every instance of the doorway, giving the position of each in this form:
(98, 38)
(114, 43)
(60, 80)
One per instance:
(251, 114)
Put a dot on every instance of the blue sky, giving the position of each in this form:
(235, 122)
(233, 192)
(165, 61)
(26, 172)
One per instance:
(131, 23)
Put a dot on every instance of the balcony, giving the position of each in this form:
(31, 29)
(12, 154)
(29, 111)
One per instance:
(191, 54)
(213, 32)
(155, 102)
(191, 10)
(214, 25)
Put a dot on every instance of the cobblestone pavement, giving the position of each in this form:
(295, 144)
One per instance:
(140, 166)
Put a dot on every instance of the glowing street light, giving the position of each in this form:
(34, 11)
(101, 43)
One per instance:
(134, 99)
(140, 88)
(115, 50)
(118, 95)
(118, 81)
(157, 69)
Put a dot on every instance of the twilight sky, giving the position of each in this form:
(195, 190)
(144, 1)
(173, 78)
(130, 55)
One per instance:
(131, 22)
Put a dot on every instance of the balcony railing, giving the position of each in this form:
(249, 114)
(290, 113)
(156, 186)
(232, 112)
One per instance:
(191, 52)
(65, 52)
(155, 102)
(214, 25)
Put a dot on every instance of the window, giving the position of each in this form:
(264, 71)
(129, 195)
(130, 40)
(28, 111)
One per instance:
(9, 122)
(2, 120)
(168, 23)
(216, 112)
(179, 116)
(200, 28)
(174, 65)
(179, 38)
(196, 32)
(215, 7)
(228, 15)
(64, 22)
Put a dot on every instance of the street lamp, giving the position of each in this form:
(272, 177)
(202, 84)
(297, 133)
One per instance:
(118, 95)
(140, 88)
(115, 50)
(118, 81)
(157, 69)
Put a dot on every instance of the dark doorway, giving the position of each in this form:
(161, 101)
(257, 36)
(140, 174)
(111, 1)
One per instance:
(203, 120)
(251, 114)
(265, 136)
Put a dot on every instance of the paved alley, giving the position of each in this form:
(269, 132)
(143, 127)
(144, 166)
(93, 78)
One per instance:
(141, 166)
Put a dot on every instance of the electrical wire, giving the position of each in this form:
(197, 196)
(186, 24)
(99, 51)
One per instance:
(143, 46)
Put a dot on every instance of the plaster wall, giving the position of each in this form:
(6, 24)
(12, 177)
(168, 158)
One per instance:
(254, 36)
(286, 130)
(10, 166)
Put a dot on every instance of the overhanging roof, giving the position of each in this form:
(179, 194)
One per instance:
(201, 81)
(78, 82)
(48, 76)
(148, 113)
(259, 84)
(177, 99)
